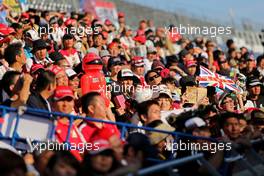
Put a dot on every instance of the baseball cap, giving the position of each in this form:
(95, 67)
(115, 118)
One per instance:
(137, 61)
(112, 45)
(108, 22)
(40, 44)
(194, 122)
(62, 92)
(162, 90)
(183, 53)
(70, 73)
(56, 56)
(125, 73)
(121, 14)
(191, 63)
(151, 49)
(36, 67)
(114, 61)
(143, 94)
(5, 30)
(99, 146)
(156, 137)
(104, 53)
(157, 65)
(55, 69)
(93, 50)
(254, 82)
(32, 34)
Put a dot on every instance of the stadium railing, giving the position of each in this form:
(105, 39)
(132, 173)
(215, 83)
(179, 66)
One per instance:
(17, 126)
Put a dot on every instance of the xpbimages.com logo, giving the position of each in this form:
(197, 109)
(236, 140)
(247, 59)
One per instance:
(51, 145)
(212, 147)
(210, 31)
(80, 30)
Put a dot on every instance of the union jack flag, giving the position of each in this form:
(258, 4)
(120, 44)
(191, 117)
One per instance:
(209, 78)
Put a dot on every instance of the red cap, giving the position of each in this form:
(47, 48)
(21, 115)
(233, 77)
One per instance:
(108, 22)
(137, 61)
(141, 39)
(69, 22)
(121, 14)
(190, 63)
(25, 15)
(112, 45)
(36, 67)
(62, 92)
(56, 69)
(5, 30)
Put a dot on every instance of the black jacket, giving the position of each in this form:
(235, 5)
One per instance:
(35, 100)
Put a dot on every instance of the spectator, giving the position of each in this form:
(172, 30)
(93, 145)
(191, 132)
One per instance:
(12, 164)
(69, 52)
(93, 105)
(15, 89)
(15, 56)
(149, 113)
(62, 163)
(45, 86)
(100, 161)
(255, 99)
(39, 51)
(114, 66)
(153, 78)
(64, 103)
(151, 56)
(61, 77)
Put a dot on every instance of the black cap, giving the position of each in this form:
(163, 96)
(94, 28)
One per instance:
(67, 37)
(183, 53)
(188, 81)
(252, 82)
(40, 44)
(172, 59)
(113, 61)
(56, 56)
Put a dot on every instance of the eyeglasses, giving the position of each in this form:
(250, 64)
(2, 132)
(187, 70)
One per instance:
(153, 77)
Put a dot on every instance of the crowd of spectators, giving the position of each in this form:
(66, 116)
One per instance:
(57, 61)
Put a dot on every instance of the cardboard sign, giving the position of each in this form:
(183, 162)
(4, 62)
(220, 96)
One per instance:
(195, 94)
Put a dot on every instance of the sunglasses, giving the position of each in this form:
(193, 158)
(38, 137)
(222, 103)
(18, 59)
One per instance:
(222, 62)
(153, 77)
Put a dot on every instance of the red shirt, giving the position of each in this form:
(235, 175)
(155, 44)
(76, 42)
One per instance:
(90, 131)
(75, 137)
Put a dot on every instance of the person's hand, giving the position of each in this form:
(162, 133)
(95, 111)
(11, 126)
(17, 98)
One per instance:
(204, 101)
(120, 111)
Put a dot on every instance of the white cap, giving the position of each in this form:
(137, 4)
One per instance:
(70, 72)
(162, 89)
(194, 122)
(143, 94)
(32, 34)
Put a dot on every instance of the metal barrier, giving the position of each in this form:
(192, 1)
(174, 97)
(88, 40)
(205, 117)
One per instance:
(42, 114)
